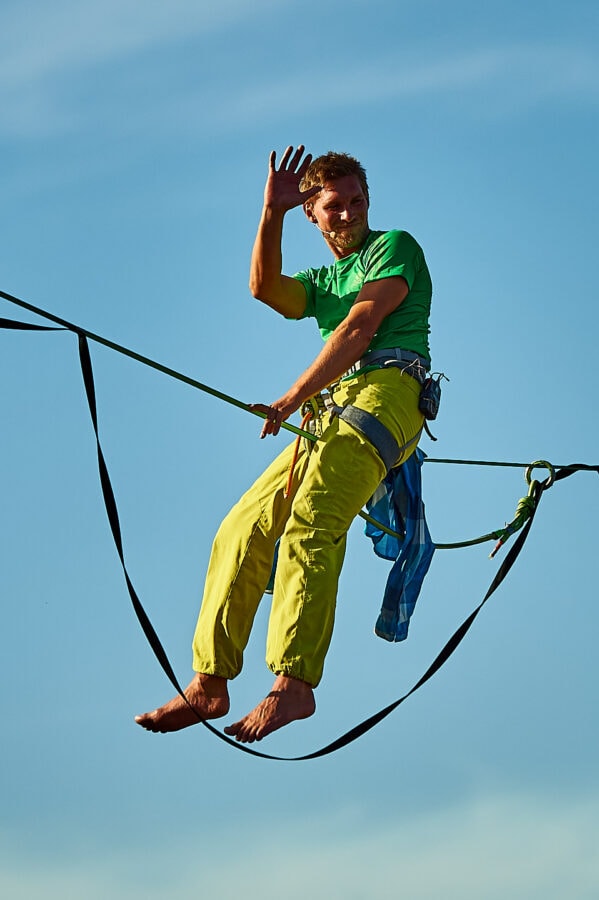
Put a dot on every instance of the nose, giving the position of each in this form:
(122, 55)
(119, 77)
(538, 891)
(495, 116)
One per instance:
(346, 214)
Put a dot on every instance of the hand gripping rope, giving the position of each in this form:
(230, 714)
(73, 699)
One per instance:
(522, 520)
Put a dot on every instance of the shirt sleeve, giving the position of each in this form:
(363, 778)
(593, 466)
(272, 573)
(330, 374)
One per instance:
(307, 278)
(393, 253)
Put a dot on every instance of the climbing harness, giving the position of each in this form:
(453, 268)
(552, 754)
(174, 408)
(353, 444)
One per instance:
(412, 363)
(378, 434)
(522, 521)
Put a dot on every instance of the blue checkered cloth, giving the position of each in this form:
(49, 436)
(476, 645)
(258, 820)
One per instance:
(398, 505)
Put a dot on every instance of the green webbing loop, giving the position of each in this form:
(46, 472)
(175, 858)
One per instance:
(524, 510)
(526, 505)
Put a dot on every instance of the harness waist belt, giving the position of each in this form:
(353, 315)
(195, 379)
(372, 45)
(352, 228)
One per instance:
(412, 363)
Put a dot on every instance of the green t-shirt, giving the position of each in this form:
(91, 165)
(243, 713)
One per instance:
(331, 290)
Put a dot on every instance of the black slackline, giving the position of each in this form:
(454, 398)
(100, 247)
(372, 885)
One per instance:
(358, 730)
(153, 639)
(27, 326)
(145, 360)
(179, 376)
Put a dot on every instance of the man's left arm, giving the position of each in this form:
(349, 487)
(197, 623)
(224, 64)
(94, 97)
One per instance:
(348, 342)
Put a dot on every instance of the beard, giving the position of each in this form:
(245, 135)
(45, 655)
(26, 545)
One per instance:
(351, 237)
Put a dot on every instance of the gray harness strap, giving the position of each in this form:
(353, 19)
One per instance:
(377, 433)
(411, 363)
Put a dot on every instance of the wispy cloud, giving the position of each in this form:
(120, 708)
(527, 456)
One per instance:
(40, 40)
(493, 81)
(47, 49)
(515, 846)
(510, 76)
(59, 65)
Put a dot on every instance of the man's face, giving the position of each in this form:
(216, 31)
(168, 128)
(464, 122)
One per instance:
(341, 209)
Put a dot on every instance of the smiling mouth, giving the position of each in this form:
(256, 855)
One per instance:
(346, 229)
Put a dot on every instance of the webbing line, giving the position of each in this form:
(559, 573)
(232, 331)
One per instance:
(173, 373)
(575, 467)
(113, 519)
(112, 512)
(358, 730)
(145, 360)
(68, 326)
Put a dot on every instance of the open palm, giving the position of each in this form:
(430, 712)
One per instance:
(282, 189)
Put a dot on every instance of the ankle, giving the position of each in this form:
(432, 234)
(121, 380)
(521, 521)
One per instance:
(213, 684)
(291, 684)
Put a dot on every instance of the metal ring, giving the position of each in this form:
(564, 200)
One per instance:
(545, 465)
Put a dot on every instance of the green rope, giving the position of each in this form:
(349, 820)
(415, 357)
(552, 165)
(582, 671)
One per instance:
(172, 373)
(523, 511)
(146, 361)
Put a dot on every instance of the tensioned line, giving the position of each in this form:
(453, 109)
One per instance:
(523, 520)
(146, 361)
(227, 398)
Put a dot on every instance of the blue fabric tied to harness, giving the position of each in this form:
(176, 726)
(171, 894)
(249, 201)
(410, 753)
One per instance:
(398, 505)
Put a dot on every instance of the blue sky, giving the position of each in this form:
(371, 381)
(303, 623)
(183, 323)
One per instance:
(134, 140)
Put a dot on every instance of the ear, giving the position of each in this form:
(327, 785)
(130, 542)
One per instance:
(309, 212)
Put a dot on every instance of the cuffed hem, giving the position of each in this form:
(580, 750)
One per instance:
(210, 669)
(295, 670)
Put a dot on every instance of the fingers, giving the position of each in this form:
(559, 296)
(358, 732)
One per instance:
(285, 158)
(274, 418)
(271, 426)
(289, 162)
(297, 156)
(304, 166)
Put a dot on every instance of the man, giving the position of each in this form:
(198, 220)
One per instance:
(372, 306)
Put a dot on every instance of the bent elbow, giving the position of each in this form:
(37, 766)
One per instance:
(257, 289)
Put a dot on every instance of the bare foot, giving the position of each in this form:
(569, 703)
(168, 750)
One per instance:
(208, 699)
(290, 699)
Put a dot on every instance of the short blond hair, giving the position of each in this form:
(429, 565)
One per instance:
(333, 165)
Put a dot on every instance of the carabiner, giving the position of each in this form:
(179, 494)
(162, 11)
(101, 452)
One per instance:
(544, 464)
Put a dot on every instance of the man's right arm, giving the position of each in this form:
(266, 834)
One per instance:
(281, 193)
(267, 283)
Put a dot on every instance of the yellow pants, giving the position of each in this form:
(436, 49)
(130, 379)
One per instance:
(331, 483)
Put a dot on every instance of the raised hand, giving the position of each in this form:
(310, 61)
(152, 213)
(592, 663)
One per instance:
(282, 189)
